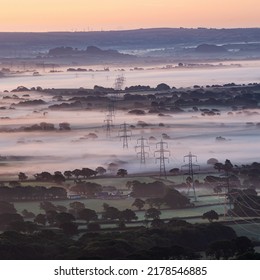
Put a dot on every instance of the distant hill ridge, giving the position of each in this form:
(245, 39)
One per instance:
(126, 39)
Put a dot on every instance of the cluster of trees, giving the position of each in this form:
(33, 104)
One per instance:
(152, 202)
(226, 167)
(84, 173)
(154, 189)
(247, 98)
(63, 218)
(88, 189)
(112, 213)
(60, 177)
(236, 248)
(210, 215)
(159, 194)
(18, 193)
(246, 202)
(11, 220)
(138, 88)
(60, 217)
(45, 176)
(250, 174)
(176, 241)
(44, 126)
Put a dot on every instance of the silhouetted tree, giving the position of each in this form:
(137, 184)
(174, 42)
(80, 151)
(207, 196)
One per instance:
(43, 176)
(87, 172)
(157, 223)
(101, 170)
(121, 172)
(219, 166)
(88, 215)
(162, 86)
(138, 203)
(128, 215)
(152, 213)
(210, 215)
(22, 176)
(64, 126)
(76, 173)
(58, 178)
(68, 174)
(175, 199)
(111, 213)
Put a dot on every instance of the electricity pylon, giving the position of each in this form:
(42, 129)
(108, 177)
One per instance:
(162, 152)
(143, 154)
(108, 124)
(124, 133)
(118, 86)
(111, 108)
(119, 82)
(190, 167)
(109, 117)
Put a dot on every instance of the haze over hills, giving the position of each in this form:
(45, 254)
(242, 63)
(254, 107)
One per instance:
(125, 40)
(142, 46)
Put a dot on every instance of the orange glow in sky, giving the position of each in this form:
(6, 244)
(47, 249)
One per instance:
(72, 15)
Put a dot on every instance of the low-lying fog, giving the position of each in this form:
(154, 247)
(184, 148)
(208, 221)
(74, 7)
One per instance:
(67, 150)
(178, 77)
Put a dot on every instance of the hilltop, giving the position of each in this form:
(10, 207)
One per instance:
(27, 42)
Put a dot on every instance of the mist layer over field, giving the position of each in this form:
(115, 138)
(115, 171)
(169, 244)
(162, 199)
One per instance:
(178, 77)
(36, 151)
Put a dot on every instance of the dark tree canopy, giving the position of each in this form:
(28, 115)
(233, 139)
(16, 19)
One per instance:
(138, 203)
(154, 189)
(175, 199)
(88, 215)
(128, 215)
(152, 213)
(111, 213)
(121, 172)
(210, 215)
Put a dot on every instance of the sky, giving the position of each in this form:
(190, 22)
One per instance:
(90, 15)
